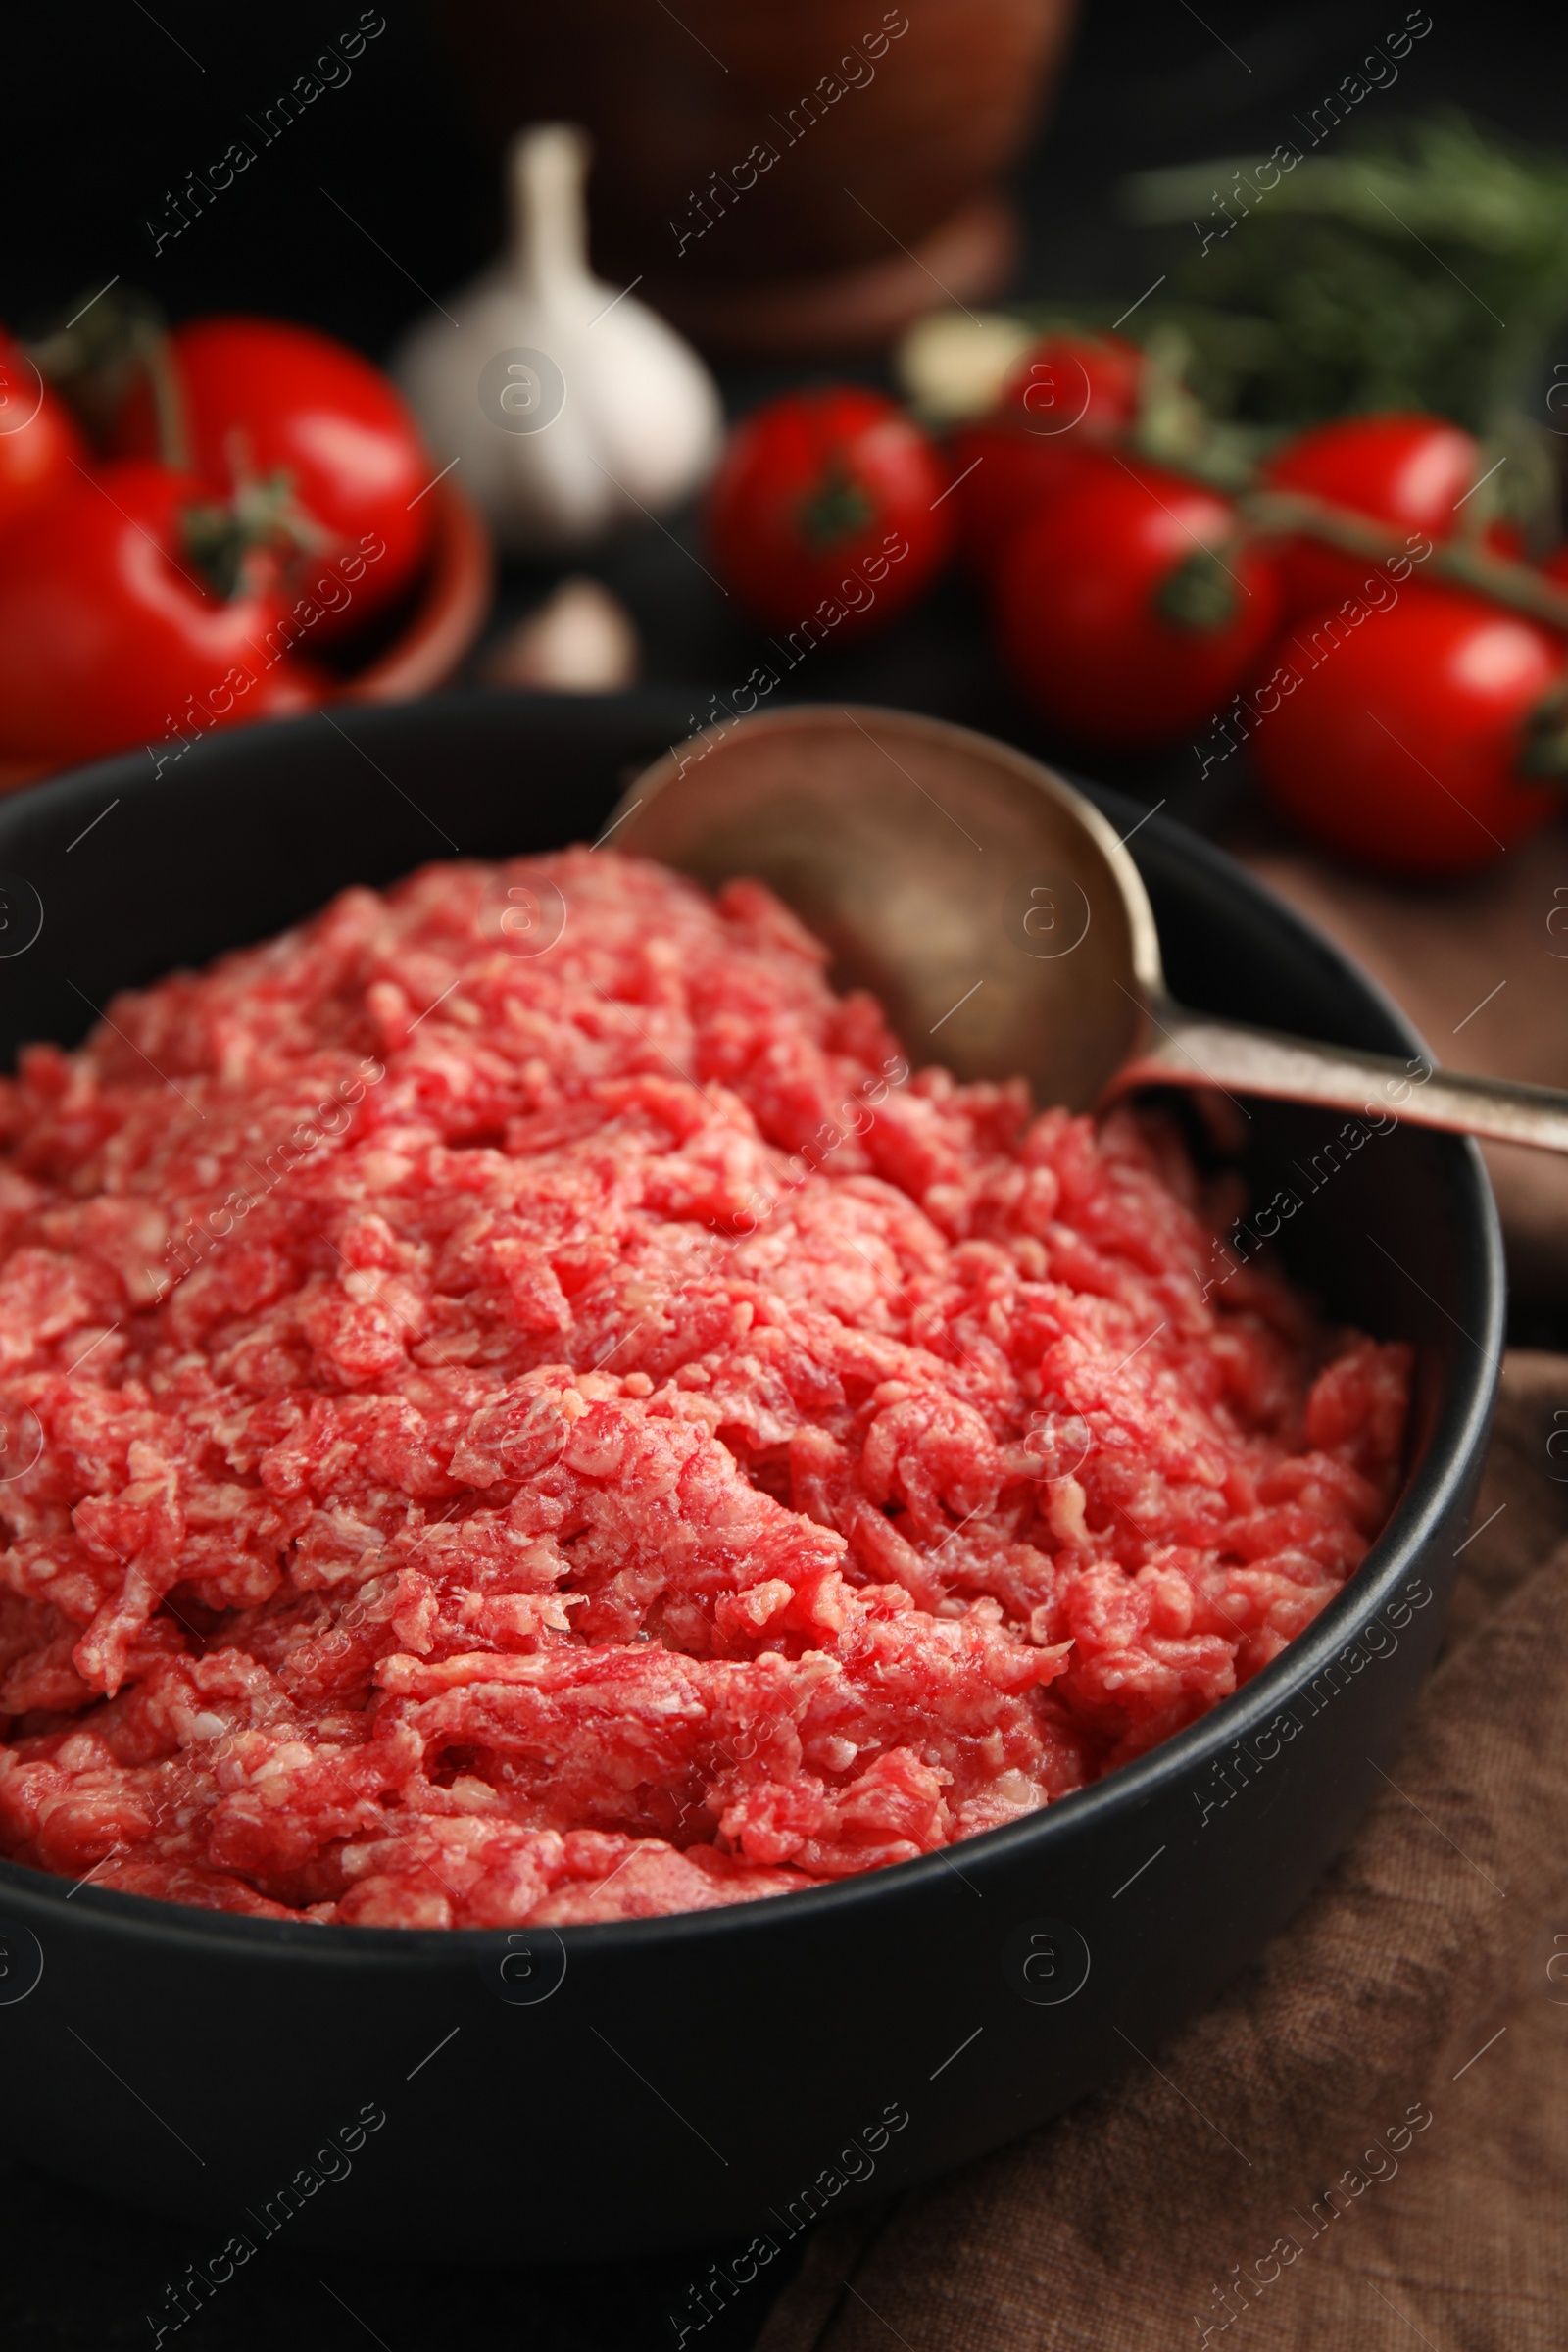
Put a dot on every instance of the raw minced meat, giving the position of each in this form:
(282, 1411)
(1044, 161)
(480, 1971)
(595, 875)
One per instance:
(494, 1436)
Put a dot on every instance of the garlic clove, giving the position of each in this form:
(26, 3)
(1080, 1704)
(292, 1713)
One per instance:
(571, 408)
(952, 365)
(581, 640)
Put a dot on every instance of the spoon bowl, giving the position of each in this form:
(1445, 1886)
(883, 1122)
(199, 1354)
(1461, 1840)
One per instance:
(999, 917)
(989, 906)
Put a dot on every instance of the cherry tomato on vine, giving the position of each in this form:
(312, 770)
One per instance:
(1068, 393)
(1130, 606)
(1089, 383)
(1409, 471)
(38, 439)
(829, 498)
(1418, 742)
(112, 633)
(261, 396)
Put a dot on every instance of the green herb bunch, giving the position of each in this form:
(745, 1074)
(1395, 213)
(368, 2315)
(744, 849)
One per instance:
(1424, 266)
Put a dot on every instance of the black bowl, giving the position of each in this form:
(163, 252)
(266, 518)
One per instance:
(619, 2088)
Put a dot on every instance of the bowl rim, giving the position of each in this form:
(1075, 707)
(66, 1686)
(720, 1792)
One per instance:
(1454, 1450)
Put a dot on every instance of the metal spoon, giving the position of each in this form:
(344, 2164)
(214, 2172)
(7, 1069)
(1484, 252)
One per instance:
(998, 918)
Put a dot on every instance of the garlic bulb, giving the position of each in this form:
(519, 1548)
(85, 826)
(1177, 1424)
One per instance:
(571, 408)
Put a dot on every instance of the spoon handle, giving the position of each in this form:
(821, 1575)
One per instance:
(1188, 1048)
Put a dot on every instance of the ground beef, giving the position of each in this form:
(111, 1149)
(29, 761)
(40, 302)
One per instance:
(518, 1406)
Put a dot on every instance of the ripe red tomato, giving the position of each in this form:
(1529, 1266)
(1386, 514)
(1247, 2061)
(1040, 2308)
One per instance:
(1004, 474)
(828, 506)
(1068, 393)
(1409, 471)
(260, 395)
(38, 439)
(1130, 606)
(1401, 745)
(109, 634)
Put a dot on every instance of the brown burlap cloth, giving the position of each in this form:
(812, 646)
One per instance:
(1403, 2043)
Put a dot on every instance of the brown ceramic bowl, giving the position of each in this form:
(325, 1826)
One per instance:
(421, 644)
(889, 131)
(447, 612)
